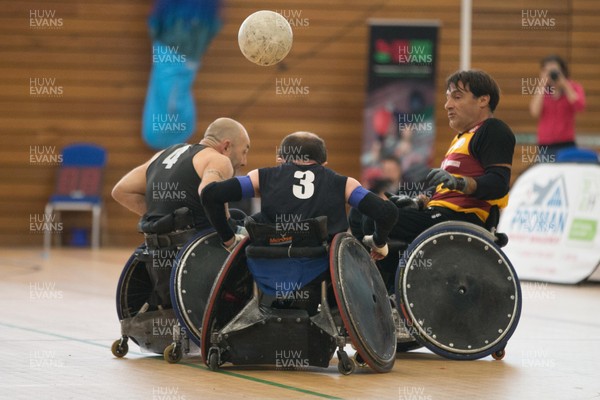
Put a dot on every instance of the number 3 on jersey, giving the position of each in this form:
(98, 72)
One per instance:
(174, 156)
(305, 189)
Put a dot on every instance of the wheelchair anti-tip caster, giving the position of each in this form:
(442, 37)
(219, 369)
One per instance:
(120, 347)
(499, 355)
(358, 360)
(173, 353)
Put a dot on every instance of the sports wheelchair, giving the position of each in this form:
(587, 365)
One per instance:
(456, 291)
(157, 293)
(290, 299)
(453, 290)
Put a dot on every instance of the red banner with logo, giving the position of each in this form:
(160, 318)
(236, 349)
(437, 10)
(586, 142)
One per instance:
(399, 117)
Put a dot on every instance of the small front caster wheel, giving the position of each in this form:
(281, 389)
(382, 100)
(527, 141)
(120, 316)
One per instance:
(119, 348)
(213, 361)
(173, 353)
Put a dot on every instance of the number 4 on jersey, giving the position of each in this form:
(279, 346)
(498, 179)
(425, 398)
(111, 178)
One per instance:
(174, 156)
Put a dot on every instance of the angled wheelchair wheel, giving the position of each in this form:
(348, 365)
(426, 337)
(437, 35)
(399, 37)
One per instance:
(192, 277)
(230, 292)
(133, 290)
(363, 304)
(134, 286)
(459, 295)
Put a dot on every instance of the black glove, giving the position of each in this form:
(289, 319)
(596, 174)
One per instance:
(403, 201)
(448, 181)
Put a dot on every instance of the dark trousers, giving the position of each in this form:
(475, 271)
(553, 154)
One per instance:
(411, 223)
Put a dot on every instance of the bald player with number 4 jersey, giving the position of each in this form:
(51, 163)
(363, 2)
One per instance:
(304, 187)
(174, 177)
(165, 192)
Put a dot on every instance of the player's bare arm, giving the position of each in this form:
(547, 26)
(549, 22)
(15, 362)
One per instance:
(130, 191)
(217, 168)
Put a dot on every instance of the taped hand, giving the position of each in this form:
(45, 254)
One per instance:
(377, 253)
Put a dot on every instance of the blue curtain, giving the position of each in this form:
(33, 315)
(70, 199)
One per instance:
(181, 30)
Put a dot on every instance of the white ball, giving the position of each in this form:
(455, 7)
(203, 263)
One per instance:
(265, 37)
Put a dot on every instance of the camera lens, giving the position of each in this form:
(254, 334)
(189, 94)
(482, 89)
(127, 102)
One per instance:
(554, 75)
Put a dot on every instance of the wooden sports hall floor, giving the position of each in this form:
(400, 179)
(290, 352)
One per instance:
(58, 320)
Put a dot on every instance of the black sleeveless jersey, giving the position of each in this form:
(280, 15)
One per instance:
(290, 193)
(172, 183)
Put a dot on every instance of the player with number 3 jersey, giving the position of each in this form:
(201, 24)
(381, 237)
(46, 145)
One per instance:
(302, 187)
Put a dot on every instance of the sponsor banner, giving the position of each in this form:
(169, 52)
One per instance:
(399, 118)
(553, 223)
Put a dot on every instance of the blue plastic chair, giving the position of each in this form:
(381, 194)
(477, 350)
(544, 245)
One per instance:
(79, 186)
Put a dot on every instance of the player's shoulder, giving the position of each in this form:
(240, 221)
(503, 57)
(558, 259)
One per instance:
(206, 153)
(336, 174)
(174, 147)
(495, 124)
(494, 128)
(271, 169)
(210, 158)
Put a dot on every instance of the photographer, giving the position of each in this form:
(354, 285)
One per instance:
(555, 105)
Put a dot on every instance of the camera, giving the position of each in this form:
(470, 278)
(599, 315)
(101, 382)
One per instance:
(554, 74)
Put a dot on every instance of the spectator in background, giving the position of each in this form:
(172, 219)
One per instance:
(391, 173)
(555, 105)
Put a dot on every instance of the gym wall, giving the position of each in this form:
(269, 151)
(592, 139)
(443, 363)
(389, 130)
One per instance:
(101, 57)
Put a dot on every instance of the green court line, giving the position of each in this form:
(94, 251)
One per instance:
(234, 374)
(266, 382)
